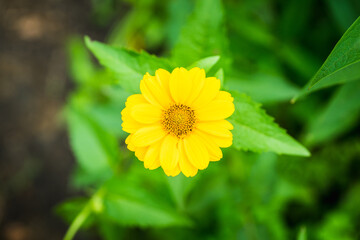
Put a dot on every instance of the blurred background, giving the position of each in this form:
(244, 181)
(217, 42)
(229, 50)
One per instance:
(272, 48)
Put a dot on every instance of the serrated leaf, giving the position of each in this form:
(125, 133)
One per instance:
(95, 149)
(338, 116)
(256, 131)
(343, 63)
(128, 205)
(205, 63)
(129, 66)
(203, 35)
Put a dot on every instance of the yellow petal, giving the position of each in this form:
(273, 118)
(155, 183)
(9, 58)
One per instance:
(169, 153)
(146, 113)
(208, 93)
(134, 100)
(173, 172)
(129, 125)
(151, 158)
(223, 95)
(140, 153)
(186, 167)
(213, 149)
(148, 135)
(180, 85)
(157, 90)
(215, 110)
(149, 91)
(163, 77)
(130, 146)
(196, 151)
(217, 128)
(222, 142)
(197, 77)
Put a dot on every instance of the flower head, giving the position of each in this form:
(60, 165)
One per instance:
(178, 121)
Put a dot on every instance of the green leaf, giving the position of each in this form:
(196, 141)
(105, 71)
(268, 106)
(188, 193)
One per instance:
(339, 115)
(206, 63)
(129, 66)
(302, 234)
(69, 209)
(180, 186)
(81, 67)
(255, 130)
(343, 63)
(343, 12)
(265, 88)
(129, 205)
(95, 149)
(203, 35)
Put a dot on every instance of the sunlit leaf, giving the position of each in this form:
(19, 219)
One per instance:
(81, 67)
(95, 149)
(203, 35)
(205, 63)
(129, 66)
(343, 63)
(136, 207)
(256, 131)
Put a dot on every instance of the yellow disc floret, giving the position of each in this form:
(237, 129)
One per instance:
(178, 120)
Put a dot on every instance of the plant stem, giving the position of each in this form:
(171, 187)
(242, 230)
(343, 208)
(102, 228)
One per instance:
(79, 220)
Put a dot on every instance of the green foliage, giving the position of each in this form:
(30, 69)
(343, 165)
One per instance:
(262, 50)
(255, 130)
(260, 87)
(343, 63)
(203, 34)
(129, 66)
(95, 150)
(129, 205)
(302, 234)
(339, 115)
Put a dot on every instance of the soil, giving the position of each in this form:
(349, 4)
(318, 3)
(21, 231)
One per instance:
(35, 158)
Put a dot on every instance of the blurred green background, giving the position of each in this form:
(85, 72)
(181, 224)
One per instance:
(269, 50)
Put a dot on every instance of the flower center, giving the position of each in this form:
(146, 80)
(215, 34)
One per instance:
(178, 120)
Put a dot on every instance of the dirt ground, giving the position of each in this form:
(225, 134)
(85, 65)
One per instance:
(35, 159)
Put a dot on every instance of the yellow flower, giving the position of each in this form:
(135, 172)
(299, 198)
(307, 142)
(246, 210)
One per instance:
(177, 122)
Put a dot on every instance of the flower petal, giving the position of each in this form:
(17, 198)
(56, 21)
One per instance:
(180, 85)
(173, 172)
(217, 128)
(146, 113)
(197, 77)
(163, 78)
(215, 110)
(208, 93)
(222, 142)
(140, 153)
(151, 90)
(151, 158)
(130, 146)
(169, 153)
(223, 95)
(214, 150)
(129, 125)
(148, 135)
(186, 167)
(134, 100)
(196, 151)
